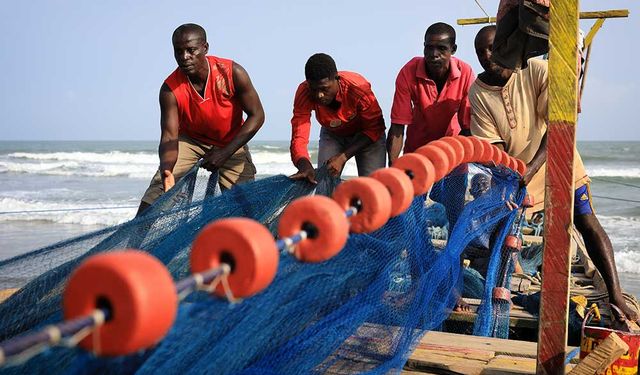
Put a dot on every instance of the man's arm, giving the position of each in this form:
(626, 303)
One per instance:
(251, 105)
(537, 162)
(300, 129)
(169, 125)
(401, 114)
(395, 139)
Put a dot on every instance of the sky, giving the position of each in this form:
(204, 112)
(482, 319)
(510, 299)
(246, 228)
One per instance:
(92, 70)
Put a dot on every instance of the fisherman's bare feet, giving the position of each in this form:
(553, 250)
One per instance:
(462, 306)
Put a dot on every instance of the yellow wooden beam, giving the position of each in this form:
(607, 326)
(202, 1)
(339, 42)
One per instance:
(592, 33)
(615, 13)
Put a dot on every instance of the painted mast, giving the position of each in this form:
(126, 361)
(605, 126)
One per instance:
(559, 189)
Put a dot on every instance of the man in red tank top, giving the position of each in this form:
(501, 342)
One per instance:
(201, 107)
(350, 116)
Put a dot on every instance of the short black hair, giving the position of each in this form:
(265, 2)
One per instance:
(190, 28)
(319, 67)
(439, 28)
(485, 30)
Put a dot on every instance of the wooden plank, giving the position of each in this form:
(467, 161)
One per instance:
(615, 13)
(556, 264)
(536, 240)
(425, 360)
(498, 346)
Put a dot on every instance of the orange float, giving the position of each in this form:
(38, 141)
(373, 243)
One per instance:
(370, 197)
(467, 146)
(528, 201)
(137, 291)
(513, 242)
(513, 164)
(497, 155)
(521, 167)
(399, 186)
(452, 154)
(439, 158)
(419, 169)
(457, 146)
(482, 151)
(323, 220)
(246, 246)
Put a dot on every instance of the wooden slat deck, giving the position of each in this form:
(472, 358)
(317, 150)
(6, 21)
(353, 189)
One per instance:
(450, 353)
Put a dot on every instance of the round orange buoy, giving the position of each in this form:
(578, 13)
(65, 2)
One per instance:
(528, 201)
(482, 151)
(504, 158)
(468, 147)
(457, 146)
(370, 197)
(521, 166)
(513, 164)
(135, 288)
(419, 169)
(246, 246)
(399, 186)
(501, 294)
(439, 158)
(452, 154)
(497, 155)
(324, 221)
(513, 242)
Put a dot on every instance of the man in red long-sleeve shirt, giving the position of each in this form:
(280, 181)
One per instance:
(351, 119)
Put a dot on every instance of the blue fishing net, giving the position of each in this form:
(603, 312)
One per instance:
(362, 311)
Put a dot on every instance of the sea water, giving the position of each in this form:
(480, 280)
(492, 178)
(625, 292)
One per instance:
(99, 184)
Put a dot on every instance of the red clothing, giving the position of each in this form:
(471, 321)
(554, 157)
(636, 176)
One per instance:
(359, 112)
(416, 102)
(216, 118)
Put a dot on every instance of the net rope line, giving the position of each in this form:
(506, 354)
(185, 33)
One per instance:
(287, 243)
(206, 281)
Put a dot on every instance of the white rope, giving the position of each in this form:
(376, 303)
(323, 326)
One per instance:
(484, 11)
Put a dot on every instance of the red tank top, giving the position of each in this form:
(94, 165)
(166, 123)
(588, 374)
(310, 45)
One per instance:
(215, 118)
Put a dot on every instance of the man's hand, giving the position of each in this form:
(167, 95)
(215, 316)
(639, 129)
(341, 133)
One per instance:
(335, 164)
(168, 181)
(214, 159)
(305, 172)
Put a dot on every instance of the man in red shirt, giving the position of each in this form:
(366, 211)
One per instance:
(201, 107)
(431, 94)
(350, 116)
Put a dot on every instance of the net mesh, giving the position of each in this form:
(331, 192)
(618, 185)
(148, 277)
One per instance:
(361, 311)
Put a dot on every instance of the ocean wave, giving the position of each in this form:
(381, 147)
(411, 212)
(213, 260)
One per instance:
(19, 210)
(72, 168)
(627, 261)
(614, 172)
(113, 157)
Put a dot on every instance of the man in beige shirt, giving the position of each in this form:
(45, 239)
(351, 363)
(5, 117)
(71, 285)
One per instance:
(509, 109)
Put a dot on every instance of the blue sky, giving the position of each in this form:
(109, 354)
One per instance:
(91, 70)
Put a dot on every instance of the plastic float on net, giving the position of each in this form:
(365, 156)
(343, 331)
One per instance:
(399, 186)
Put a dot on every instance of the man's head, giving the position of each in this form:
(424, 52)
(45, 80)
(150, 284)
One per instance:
(322, 76)
(190, 48)
(480, 184)
(439, 46)
(484, 45)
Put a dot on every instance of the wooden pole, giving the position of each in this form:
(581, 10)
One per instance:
(616, 13)
(559, 190)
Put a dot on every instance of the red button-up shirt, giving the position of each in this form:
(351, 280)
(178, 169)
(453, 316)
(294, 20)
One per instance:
(359, 112)
(430, 115)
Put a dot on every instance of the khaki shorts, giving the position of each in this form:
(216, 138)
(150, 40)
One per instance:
(237, 169)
